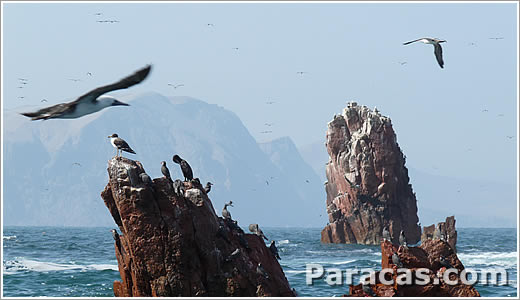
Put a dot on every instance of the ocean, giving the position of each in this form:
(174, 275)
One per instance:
(80, 262)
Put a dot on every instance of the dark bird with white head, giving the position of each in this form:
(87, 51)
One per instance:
(120, 144)
(437, 47)
(402, 239)
(90, 102)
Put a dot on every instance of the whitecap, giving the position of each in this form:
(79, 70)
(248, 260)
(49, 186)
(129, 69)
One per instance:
(343, 262)
(9, 237)
(13, 266)
(504, 259)
(283, 242)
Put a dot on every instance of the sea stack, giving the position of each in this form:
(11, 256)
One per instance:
(367, 181)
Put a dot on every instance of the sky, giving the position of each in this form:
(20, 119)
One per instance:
(460, 121)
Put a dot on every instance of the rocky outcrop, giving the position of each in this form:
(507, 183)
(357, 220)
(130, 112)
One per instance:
(368, 185)
(425, 257)
(447, 231)
(174, 244)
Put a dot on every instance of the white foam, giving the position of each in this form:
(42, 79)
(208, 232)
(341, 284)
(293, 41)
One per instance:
(13, 266)
(9, 237)
(504, 259)
(343, 262)
(283, 242)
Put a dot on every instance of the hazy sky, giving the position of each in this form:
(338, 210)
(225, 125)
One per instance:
(452, 121)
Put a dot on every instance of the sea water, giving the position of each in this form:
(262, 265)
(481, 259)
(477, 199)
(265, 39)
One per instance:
(80, 262)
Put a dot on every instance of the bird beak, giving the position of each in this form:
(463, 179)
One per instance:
(116, 102)
(109, 136)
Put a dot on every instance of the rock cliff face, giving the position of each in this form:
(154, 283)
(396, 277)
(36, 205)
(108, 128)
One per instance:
(368, 184)
(447, 230)
(173, 243)
(426, 256)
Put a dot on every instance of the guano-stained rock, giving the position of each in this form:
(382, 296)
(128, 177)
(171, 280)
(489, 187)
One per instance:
(175, 245)
(368, 185)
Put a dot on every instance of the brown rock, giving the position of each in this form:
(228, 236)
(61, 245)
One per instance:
(368, 184)
(426, 258)
(447, 229)
(169, 244)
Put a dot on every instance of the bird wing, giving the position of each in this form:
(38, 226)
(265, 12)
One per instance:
(412, 41)
(124, 83)
(438, 55)
(121, 144)
(48, 112)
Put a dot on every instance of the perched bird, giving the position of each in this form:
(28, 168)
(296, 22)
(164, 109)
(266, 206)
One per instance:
(437, 232)
(116, 237)
(367, 289)
(386, 234)
(396, 260)
(90, 102)
(256, 230)
(207, 188)
(233, 255)
(274, 250)
(261, 271)
(165, 171)
(178, 187)
(185, 167)
(146, 179)
(225, 213)
(437, 47)
(445, 263)
(120, 144)
(402, 239)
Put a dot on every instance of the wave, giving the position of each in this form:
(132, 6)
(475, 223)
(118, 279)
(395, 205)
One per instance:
(13, 266)
(342, 262)
(9, 237)
(283, 242)
(504, 259)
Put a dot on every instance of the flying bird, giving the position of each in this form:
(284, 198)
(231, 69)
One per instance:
(266, 131)
(236, 48)
(175, 86)
(90, 102)
(301, 72)
(21, 97)
(210, 24)
(43, 100)
(496, 38)
(89, 74)
(23, 79)
(120, 144)
(437, 47)
(74, 79)
(269, 102)
(76, 164)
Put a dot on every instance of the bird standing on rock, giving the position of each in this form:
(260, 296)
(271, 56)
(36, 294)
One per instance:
(165, 171)
(396, 260)
(120, 144)
(402, 239)
(207, 188)
(225, 213)
(261, 271)
(185, 167)
(445, 263)
(386, 234)
(256, 230)
(274, 250)
(233, 255)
